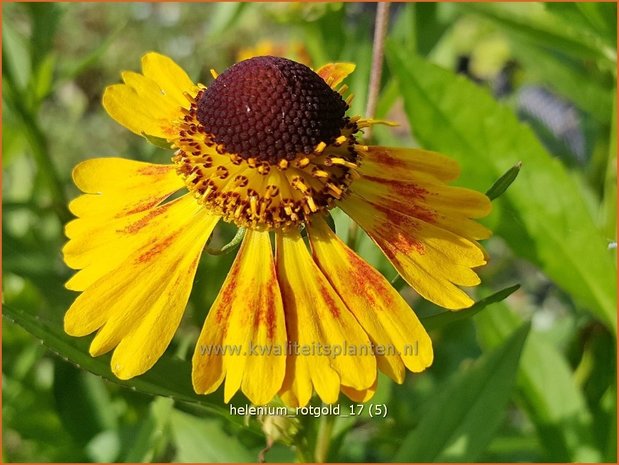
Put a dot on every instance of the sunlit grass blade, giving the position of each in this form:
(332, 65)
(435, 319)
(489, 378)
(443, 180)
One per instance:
(461, 420)
(445, 318)
(548, 390)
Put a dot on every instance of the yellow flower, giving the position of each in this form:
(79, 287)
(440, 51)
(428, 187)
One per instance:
(267, 146)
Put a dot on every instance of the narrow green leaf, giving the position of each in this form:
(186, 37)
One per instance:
(40, 150)
(43, 79)
(15, 57)
(543, 217)
(461, 420)
(73, 69)
(45, 18)
(445, 318)
(503, 183)
(169, 377)
(549, 392)
(224, 17)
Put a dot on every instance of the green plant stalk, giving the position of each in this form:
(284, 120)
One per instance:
(303, 455)
(381, 24)
(323, 440)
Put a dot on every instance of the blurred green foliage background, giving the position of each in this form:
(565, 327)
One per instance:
(458, 78)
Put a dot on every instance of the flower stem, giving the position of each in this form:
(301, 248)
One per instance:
(378, 52)
(323, 440)
(381, 24)
(302, 449)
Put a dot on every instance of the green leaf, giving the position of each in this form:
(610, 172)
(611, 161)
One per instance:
(157, 141)
(445, 318)
(596, 18)
(201, 440)
(421, 26)
(535, 25)
(460, 421)
(502, 184)
(387, 99)
(82, 402)
(43, 79)
(543, 217)
(104, 447)
(574, 80)
(170, 377)
(151, 432)
(548, 390)
(608, 209)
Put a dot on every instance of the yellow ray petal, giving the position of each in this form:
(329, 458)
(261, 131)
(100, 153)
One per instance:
(150, 103)
(334, 73)
(297, 387)
(405, 163)
(121, 187)
(320, 324)
(432, 194)
(147, 89)
(171, 78)
(140, 114)
(247, 315)
(359, 396)
(391, 324)
(138, 304)
(432, 260)
(170, 222)
(447, 207)
(124, 214)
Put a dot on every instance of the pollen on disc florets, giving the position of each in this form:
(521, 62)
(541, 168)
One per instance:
(257, 168)
(271, 108)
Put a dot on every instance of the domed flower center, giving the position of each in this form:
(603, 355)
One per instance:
(271, 109)
(268, 144)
